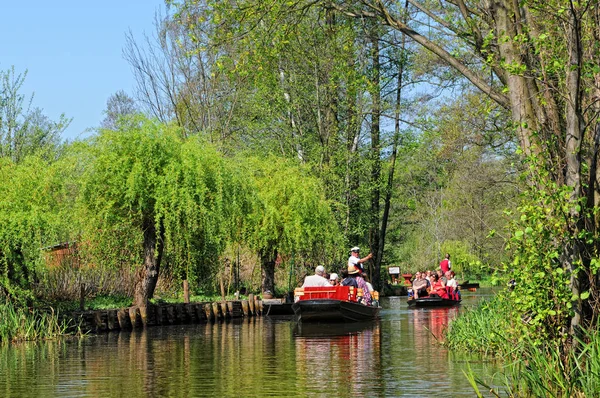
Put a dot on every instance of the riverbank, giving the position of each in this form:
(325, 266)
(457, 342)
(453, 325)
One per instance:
(531, 368)
(97, 321)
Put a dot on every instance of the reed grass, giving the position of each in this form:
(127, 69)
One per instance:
(529, 369)
(485, 329)
(20, 324)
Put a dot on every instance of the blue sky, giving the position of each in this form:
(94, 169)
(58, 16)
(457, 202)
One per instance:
(73, 53)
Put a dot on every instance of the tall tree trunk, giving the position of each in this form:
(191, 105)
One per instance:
(390, 182)
(375, 159)
(267, 266)
(147, 275)
(574, 124)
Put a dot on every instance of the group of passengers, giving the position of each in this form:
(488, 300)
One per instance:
(435, 284)
(353, 276)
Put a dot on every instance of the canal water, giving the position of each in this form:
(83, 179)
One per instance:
(397, 356)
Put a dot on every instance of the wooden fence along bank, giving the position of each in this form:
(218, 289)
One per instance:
(97, 321)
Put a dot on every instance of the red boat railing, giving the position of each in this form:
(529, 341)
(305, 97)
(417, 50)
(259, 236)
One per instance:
(346, 293)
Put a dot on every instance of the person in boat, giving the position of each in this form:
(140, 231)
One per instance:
(442, 276)
(355, 259)
(317, 279)
(438, 287)
(445, 264)
(364, 276)
(428, 276)
(354, 279)
(420, 285)
(333, 279)
(452, 285)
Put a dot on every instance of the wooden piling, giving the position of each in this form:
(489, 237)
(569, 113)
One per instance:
(200, 313)
(186, 292)
(148, 315)
(216, 310)
(224, 311)
(112, 321)
(245, 308)
(124, 319)
(236, 309)
(136, 318)
(251, 304)
(209, 312)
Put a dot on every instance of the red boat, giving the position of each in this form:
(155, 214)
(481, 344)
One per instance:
(332, 304)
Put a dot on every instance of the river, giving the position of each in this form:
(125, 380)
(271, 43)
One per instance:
(397, 356)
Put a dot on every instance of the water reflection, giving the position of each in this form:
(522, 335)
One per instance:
(395, 356)
(345, 356)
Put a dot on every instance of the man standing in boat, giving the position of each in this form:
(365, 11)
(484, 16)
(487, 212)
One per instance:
(355, 259)
(317, 279)
(445, 264)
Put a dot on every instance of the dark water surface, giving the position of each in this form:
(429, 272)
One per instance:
(396, 356)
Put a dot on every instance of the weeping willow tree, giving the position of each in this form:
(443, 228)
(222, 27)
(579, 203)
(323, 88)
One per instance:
(292, 216)
(160, 191)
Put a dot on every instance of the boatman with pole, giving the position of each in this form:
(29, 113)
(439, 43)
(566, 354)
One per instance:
(355, 259)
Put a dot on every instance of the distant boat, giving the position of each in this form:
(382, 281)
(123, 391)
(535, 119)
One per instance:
(467, 285)
(432, 302)
(334, 304)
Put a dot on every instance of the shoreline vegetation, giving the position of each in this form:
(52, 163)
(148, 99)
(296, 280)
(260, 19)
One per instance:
(531, 367)
(29, 324)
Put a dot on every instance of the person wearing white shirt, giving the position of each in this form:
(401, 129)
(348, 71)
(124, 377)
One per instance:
(355, 259)
(317, 279)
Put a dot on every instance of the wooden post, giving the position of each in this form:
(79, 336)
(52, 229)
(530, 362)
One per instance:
(215, 307)
(82, 296)
(186, 292)
(200, 314)
(245, 307)
(112, 320)
(148, 314)
(224, 309)
(100, 321)
(209, 312)
(251, 303)
(124, 319)
(136, 318)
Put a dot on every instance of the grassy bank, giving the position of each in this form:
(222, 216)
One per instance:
(20, 324)
(529, 369)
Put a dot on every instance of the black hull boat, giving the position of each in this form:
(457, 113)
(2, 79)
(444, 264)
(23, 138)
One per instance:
(432, 302)
(332, 310)
(276, 309)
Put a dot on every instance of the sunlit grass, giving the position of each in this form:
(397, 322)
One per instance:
(530, 369)
(21, 324)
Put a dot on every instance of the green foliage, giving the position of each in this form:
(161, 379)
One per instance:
(542, 295)
(293, 215)
(146, 173)
(203, 205)
(545, 370)
(35, 212)
(465, 264)
(489, 329)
